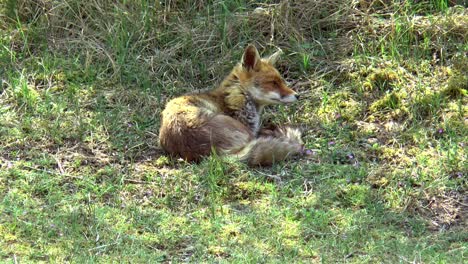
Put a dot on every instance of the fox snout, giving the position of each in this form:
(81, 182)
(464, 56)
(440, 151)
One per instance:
(288, 95)
(290, 98)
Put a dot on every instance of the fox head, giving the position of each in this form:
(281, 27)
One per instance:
(262, 80)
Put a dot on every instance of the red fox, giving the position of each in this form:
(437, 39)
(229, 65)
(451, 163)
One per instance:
(227, 119)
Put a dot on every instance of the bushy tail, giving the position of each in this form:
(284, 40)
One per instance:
(282, 143)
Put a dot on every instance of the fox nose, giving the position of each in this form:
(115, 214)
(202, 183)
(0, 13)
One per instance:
(297, 96)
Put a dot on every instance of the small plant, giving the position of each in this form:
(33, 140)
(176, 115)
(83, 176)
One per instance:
(381, 80)
(305, 63)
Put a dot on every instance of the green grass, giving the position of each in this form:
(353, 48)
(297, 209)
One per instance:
(384, 110)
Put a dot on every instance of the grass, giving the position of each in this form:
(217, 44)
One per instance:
(383, 89)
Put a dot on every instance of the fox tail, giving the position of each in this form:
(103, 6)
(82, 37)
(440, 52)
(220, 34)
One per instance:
(282, 143)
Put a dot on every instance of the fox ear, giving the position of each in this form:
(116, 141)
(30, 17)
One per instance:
(274, 57)
(250, 58)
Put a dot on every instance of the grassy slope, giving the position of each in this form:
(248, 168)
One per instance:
(385, 111)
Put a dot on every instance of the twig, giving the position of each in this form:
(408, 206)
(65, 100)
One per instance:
(59, 165)
(455, 200)
(277, 178)
(300, 84)
(104, 246)
(135, 181)
(52, 172)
